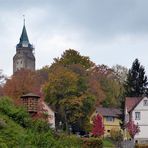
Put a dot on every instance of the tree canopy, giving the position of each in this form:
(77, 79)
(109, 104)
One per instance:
(71, 56)
(68, 93)
(22, 82)
(68, 88)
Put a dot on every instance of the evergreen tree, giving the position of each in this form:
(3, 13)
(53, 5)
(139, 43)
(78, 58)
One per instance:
(136, 83)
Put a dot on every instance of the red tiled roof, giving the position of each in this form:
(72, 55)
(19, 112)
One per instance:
(114, 112)
(132, 102)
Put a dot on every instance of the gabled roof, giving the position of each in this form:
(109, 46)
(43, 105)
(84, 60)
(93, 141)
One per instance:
(132, 102)
(114, 112)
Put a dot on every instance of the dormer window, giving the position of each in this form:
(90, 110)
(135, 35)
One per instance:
(145, 102)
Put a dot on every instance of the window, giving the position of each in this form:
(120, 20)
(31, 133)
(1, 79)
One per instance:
(137, 115)
(110, 119)
(145, 102)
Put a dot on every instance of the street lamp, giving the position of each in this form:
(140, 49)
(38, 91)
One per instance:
(70, 129)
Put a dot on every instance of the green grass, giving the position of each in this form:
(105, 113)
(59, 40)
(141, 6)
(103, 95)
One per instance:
(107, 143)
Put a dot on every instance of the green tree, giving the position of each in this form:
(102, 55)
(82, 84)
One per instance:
(67, 88)
(71, 56)
(109, 87)
(113, 92)
(68, 93)
(136, 83)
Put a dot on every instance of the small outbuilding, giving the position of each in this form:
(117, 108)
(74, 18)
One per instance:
(30, 102)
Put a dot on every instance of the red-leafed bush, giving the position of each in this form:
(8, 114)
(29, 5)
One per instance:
(132, 128)
(98, 127)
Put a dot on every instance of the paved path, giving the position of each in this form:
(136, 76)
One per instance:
(127, 144)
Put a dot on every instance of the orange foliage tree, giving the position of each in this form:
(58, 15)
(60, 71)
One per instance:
(22, 82)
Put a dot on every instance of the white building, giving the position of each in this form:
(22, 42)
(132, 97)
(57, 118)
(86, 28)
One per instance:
(137, 110)
(50, 114)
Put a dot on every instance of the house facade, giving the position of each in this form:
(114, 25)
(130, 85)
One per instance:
(50, 114)
(136, 109)
(110, 118)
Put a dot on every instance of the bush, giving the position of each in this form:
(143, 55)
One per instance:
(116, 134)
(18, 114)
(69, 141)
(92, 143)
(2, 123)
(40, 125)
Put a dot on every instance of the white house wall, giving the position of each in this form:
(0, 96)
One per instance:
(51, 115)
(143, 122)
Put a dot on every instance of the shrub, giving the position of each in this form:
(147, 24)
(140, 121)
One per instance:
(40, 125)
(116, 134)
(2, 123)
(98, 126)
(92, 143)
(18, 114)
(70, 141)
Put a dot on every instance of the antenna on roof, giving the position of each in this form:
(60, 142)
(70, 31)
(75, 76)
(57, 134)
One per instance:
(24, 18)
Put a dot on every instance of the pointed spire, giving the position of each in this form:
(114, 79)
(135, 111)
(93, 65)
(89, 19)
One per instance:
(24, 41)
(24, 37)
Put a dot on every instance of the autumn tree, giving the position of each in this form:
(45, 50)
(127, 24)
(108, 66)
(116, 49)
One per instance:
(22, 82)
(110, 88)
(67, 92)
(42, 75)
(71, 56)
(98, 127)
(136, 83)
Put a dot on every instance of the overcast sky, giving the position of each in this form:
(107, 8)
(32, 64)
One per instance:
(108, 31)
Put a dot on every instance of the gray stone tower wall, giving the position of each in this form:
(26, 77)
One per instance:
(24, 58)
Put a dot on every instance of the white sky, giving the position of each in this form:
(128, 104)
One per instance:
(108, 31)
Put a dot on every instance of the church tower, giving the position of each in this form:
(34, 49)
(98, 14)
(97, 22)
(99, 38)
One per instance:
(24, 57)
